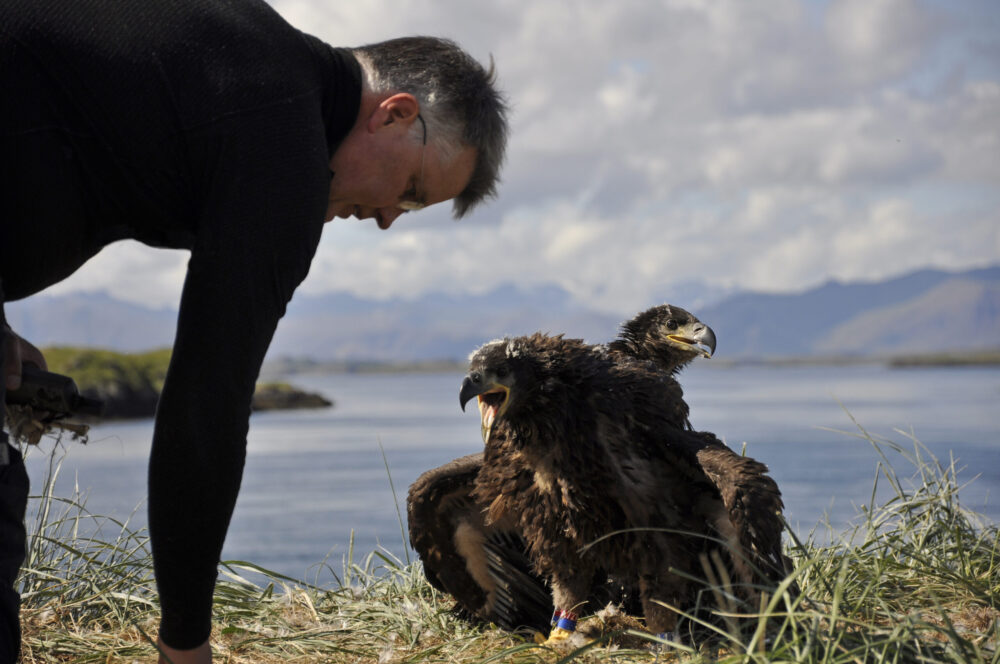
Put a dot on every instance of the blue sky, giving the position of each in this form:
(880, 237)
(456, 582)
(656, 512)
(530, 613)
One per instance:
(754, 145)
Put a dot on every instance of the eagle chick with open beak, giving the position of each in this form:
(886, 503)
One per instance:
(490, 384)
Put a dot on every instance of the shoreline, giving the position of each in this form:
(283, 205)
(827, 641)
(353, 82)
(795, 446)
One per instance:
(304, 366)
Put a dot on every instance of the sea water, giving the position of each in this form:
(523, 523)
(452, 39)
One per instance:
(317, 480)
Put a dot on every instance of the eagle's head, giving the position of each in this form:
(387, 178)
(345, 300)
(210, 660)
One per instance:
(500, 373)
(667, 335)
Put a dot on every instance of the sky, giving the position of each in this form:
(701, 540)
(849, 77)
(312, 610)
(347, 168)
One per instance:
(767, 146)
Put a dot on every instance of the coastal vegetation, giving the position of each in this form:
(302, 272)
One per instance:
(916, 578)
(130, 383)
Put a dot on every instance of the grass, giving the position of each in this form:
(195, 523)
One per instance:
(916, 579)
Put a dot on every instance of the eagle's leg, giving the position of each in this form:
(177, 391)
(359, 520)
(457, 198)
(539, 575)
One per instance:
(569, 596)
(659, 619)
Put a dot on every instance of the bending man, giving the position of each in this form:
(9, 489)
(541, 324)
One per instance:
(218, 128)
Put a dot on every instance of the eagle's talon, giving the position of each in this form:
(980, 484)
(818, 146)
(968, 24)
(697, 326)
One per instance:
(557, 637)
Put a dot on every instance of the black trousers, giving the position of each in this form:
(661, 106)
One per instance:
(13, 503)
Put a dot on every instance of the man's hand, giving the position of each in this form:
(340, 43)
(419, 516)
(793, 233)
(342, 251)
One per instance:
(200, 655)
(17, 352)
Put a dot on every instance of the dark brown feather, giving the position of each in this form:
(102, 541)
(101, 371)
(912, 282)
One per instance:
(599, 477)
(495, 584)
(749, 497)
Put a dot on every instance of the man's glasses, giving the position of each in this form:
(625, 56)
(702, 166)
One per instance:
(411, 206)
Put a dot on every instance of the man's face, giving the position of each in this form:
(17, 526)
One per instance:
(374, 171)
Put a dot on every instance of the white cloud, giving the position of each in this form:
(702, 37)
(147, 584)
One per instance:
(132, 272)
(754, 145)
(878, 40)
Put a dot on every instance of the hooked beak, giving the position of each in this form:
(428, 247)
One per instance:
(492, 398)
(697, 337)
(470, 388)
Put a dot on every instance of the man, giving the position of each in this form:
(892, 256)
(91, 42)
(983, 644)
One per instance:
(218, 128)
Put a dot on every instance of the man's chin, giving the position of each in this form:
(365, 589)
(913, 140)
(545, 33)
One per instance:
(345, 212)
(335, 213)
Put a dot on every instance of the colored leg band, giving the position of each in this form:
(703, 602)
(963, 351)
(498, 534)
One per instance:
(556, 615)
(567, 621)
(566, 624)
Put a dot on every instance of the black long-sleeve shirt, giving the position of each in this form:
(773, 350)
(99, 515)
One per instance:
(199, 124)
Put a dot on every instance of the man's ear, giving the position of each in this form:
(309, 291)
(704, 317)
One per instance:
(401, 107)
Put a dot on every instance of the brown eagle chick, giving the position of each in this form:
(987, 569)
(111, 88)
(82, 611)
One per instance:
(586, 464)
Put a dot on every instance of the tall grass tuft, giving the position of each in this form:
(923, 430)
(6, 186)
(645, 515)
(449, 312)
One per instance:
(916, 578)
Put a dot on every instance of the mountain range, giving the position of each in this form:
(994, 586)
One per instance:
(928, 311)
(920, 312)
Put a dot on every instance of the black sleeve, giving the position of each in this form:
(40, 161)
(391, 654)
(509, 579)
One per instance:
(262, 219)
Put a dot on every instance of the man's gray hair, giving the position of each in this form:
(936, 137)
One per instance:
(458, 101)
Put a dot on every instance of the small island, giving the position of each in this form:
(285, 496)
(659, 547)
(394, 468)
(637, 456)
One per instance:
(130, 383)
(282, 396)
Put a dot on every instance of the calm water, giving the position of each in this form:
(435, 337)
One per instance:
(313, 477)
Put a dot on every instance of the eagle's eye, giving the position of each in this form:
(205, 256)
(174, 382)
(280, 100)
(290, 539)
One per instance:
(502, 371)
(476, 377)
(671, 324)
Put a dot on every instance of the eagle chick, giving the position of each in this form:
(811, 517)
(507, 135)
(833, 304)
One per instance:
(586, 464)
(485, 568)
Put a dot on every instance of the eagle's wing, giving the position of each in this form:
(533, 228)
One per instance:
(484, 567)
(437, 500)
(752, 502)
(522, 598)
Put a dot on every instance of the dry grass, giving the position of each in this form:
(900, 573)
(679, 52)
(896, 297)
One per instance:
(916, 580)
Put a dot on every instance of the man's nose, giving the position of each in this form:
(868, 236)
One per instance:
(387, 215)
